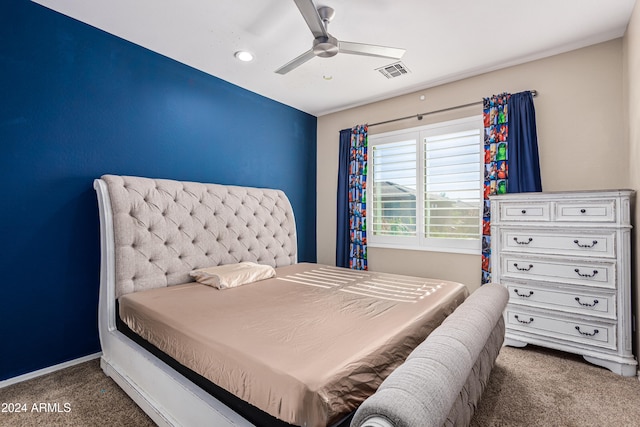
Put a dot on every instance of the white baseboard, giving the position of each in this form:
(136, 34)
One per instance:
(50, 369)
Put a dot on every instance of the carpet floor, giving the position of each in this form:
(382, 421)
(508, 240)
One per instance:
(529, 387)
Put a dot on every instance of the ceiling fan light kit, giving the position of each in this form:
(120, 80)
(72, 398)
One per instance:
(325, 45)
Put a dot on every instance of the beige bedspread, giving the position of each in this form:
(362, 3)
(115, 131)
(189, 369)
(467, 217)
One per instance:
(307, 346)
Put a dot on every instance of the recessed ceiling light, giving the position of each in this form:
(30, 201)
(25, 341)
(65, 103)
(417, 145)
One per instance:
(244, 56)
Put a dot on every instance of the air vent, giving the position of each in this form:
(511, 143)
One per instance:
(394, 70)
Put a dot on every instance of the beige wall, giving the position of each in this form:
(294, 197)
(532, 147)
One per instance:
(582, 140)
(632, 98)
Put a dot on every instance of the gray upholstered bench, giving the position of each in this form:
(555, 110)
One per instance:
(441, 381)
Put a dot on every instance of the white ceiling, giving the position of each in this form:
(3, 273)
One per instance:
(445, 40)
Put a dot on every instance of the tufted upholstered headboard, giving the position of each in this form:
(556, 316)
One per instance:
(163, 229)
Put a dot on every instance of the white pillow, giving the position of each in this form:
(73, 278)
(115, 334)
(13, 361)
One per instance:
(232, 275)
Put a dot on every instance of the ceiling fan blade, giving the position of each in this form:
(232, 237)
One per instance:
(370, 50)
(296, 62)
(310, 14)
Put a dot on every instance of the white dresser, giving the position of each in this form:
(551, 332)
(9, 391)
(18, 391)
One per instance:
(565, 259)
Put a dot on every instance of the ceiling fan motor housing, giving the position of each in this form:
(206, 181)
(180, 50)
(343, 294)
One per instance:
(325, 47)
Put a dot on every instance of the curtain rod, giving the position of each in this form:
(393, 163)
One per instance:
(420, 115)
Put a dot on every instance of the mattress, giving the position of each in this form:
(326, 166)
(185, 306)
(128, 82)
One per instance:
(307, 346)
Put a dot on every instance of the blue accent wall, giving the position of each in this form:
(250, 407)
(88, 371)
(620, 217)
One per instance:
(76, 103)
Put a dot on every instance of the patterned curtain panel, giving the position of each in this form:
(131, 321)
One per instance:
(496, 132)
(358, 198)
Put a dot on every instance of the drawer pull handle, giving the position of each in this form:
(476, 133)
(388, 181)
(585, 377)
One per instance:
(577, 270)
(515, 239)
(524, 211)
(523, 295)
(577, 242)
(595, 331)
(526, 322)
(583, 210)
(586, 304)
(515, 264)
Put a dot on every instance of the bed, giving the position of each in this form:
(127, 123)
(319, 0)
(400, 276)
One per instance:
(306, 347)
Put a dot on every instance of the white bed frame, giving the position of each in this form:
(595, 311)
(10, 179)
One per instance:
(165, 395)
(170, 399)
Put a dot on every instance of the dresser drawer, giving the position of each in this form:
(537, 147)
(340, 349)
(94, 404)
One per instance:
(588, 211)
(567, 300)
(559, 242)
(578, 331)
(524, 211)
(598, 274)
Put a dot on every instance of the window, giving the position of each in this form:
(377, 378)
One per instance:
(425, 187)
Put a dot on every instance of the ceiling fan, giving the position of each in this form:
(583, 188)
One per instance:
(325, 45)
